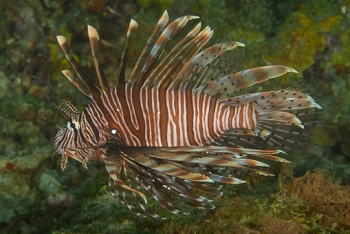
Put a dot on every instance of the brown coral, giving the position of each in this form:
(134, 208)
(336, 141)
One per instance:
(331, 199)
(280, 226)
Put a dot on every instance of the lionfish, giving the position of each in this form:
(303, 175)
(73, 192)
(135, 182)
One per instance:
(174, 129)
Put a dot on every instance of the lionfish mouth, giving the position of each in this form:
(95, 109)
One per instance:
(175, 129)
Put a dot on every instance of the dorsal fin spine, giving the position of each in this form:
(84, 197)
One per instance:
(197, 43)
(131, 31)
(79, 86)
(174, 53)
(87, 83)
(137, 68)
(94, 38)
(172, 29)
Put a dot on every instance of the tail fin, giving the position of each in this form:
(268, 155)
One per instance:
(285, 119)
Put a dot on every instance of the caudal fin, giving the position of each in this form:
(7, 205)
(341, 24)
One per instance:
(285, 119)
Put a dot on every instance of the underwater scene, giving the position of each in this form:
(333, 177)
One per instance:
(175, 116)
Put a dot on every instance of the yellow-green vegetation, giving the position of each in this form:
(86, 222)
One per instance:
(303, 35)
(342, 55)
(159, 4)
(299, 40)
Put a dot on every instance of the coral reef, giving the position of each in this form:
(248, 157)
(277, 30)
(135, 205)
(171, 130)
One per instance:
(36, 196)
(331, 201)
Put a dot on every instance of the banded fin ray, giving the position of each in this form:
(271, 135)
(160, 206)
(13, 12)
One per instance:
(179, 170)
(94, 38)
(243, 79)
(81, 87)
(86, 83)
(159, 185)
(202, 67)
(295, 92)
(121, 73)
(151, 61)
(142, 58)
(177, 56)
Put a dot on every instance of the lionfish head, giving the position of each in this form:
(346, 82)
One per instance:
(66, 135)
(67, 141)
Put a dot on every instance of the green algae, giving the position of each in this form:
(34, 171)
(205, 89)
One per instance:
(302, 36)
(160, 4)
(342, 56)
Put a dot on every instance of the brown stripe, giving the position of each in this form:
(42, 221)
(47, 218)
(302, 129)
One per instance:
(183, 109)
(138, 112)
(240, 114)
(150, 119)
(176, 117)
(200, 111)
(163, 118)
(212, 103)
(250, 115)
(189, 106)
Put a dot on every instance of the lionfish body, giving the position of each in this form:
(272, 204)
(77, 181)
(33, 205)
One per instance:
(173, 126)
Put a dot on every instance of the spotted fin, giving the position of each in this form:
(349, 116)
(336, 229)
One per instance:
(285, 119)
(215, 61)
(243, 79)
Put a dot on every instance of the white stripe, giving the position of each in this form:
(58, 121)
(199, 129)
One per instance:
(88, 133)
(130, 103)
(254, 118)
(195, 102)
(217, 119)
(236, 117)
(224, 118)
(199, 109)
(171, 134)
(205, 124)
(180, 122)
(155, 113)
(244, 116)
(144, 108)
(248, 117)
(173, 137)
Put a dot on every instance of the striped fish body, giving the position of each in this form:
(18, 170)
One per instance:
(166, 118)
(168, 129)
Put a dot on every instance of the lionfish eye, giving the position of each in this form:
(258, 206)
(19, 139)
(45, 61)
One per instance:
(72, 124)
